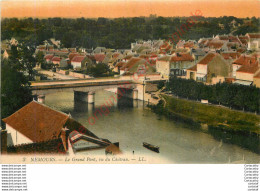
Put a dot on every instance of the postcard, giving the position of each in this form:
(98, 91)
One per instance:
(130, 82)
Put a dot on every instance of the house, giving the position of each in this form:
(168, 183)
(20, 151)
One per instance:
(246, 73)
(72, 55)
(197, 53)
(137, 66)
(217, 45)
(99, 50)
(179, 63)
(163, 66)
(56, 60)
(34, 122)
(174, 65)
(253, 41)
(37, 124)
(242, 60)
(211, 69)
(79, 62)
(48, 58)
(230, 56)
(118, 66)
(244, 40)
(99, 57)
(64, 62)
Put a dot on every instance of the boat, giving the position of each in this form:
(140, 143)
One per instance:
(151, 147)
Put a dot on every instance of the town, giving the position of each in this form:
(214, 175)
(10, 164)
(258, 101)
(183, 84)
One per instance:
(202, 71)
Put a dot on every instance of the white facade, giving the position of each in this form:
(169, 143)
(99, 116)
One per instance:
(163, 67)
(254, 44)
(17, 137)
(76, 65)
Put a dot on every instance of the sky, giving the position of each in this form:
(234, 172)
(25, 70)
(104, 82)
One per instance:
(128, 8)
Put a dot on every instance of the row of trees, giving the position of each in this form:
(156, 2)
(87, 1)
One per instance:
(114, 33)
(230, 95)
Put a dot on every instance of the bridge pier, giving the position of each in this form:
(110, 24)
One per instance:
(88, 97)
(91, 97)
(80, 96)
(135, 94)
(91, 108)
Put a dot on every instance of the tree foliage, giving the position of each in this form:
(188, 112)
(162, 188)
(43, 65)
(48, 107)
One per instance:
(15, 91)
(231, 95)
(116, 33)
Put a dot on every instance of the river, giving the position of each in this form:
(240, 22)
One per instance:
(133, 124)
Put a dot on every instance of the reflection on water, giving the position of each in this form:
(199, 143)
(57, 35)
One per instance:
(125, 121)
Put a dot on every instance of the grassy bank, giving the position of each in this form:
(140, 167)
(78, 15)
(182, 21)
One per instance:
(211, 115)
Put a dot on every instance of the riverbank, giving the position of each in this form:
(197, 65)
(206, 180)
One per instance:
(214, 116)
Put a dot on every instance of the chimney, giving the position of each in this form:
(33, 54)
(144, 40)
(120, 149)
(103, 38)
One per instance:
(64, 136)
(3, 141)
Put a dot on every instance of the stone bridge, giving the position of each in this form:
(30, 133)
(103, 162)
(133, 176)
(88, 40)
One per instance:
(84, 90)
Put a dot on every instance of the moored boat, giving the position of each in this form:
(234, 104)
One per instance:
(151, 147)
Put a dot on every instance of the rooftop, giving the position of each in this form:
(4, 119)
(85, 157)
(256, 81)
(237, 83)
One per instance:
(37, 122)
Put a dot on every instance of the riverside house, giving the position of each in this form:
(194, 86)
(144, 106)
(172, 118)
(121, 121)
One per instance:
(211, 69)
(78, 62)
(174, 65)
(36, 128)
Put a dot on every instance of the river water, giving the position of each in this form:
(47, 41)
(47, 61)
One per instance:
(131, 124)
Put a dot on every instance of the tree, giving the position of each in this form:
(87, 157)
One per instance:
(98, 70)
(15, 91)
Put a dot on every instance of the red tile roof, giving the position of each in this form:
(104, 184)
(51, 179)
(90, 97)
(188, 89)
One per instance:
(164, 58)
(72, 55)
(193, 68)
(232, 55)
(215, 44)
(131, 63)
(181, 57)
(48, 56)
(245, 60)
(188, 44)
(78, 59)
(56, 58)
(208, 58)
(100, 57)
(37, 122)
(251, 69)
(120, 64)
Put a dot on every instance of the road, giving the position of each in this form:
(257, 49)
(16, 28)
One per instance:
(58, 76)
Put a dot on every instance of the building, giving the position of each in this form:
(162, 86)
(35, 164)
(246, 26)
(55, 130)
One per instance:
(34, 122)
(48, 58)
(179, 63)
(247, 74)
(242, 60)
(78, 62)
(99, 57)
(211, 69)
(163, 66)
(137, 66)
(38, 126)
(56, 60)
(253, 41)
